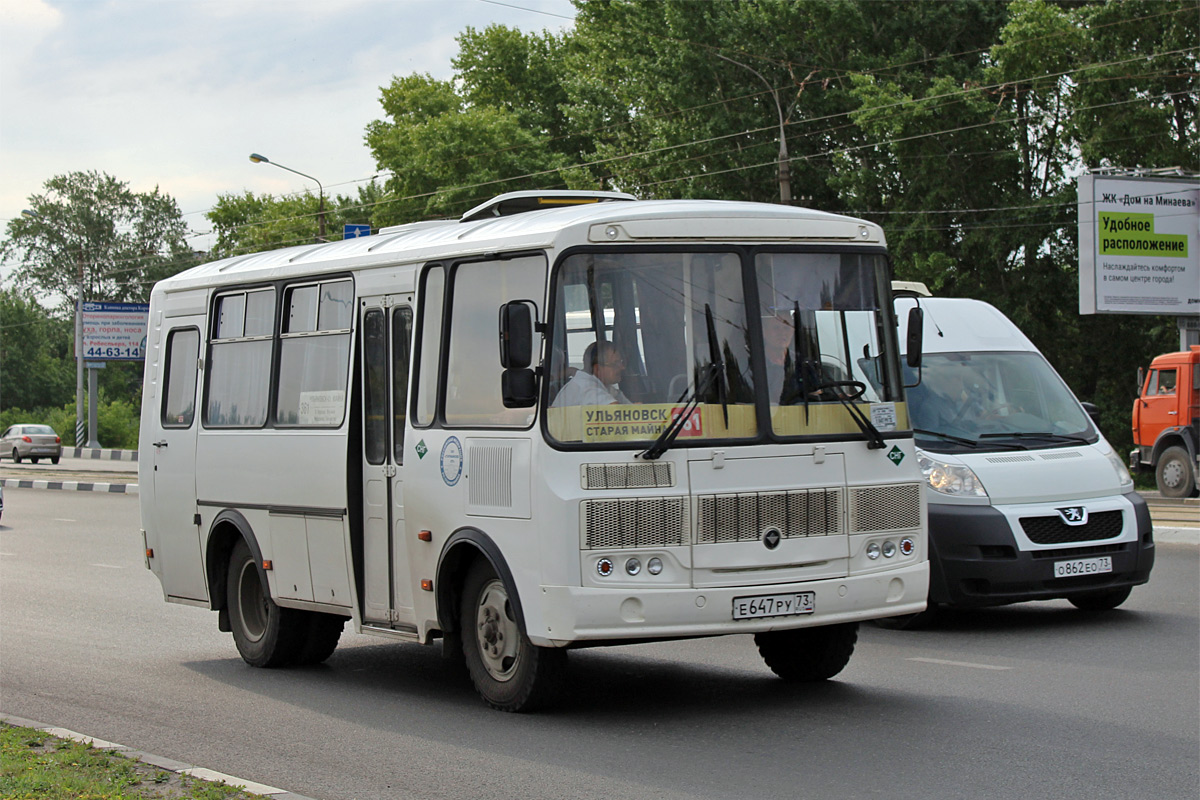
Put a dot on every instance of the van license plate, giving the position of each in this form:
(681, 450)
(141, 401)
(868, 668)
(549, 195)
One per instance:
(1082, 566)
(773, 605)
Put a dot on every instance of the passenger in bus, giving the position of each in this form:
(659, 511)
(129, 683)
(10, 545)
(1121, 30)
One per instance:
(596, 383)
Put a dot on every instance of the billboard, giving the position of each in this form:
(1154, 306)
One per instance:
(1138, 245)
(115, 331)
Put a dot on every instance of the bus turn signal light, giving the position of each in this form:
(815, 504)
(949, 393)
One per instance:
(427, 584)
(425, 536)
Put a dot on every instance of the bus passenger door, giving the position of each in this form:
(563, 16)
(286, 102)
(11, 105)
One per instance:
(386, 339)
(175, 461)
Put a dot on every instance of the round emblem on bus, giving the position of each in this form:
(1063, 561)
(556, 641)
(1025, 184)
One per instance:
(452, 461)
(771, 538)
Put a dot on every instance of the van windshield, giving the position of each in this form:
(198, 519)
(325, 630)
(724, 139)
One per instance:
(640, 338)
(994, 401)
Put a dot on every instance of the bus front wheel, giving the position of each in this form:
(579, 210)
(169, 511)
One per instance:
(808, 654)
(510, 673)
(266, 635)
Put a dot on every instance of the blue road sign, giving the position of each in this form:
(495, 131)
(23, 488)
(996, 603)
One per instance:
(355, 231)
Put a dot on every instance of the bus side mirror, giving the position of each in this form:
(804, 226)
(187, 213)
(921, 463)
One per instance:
(518, 387)
(916, 331)
(518, 383)
(516, 334)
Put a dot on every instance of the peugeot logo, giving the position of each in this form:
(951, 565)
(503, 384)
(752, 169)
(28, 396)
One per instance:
(771, 538)
(1073, 515)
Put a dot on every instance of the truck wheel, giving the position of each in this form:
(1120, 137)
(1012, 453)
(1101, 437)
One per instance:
(808, 654)
(509, 672)
(266, 635)
(1101, 601)
(1174, 475)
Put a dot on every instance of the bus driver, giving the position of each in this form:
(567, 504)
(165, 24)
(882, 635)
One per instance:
(596, 383)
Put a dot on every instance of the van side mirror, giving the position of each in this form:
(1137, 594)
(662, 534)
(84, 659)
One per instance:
(516, 334)
(1093, 411)
(916, 335)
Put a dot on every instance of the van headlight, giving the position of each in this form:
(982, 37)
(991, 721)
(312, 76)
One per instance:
(956, 480)
(1123, 477)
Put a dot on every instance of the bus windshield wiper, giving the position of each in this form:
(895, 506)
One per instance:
(715, 370)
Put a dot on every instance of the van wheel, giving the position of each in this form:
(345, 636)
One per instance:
(324, 631)
(1101, 601)
(266, 635)
(510, 673)
(1174, 474)
(808, 654)
(910, 622)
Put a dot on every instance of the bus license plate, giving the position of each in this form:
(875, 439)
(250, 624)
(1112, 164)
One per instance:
(773, 605)
(1082, 566)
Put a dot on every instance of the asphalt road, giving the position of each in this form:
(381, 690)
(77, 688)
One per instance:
(1035, 700)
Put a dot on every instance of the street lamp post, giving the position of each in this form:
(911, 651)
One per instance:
(258, 159)
(785, 179)
(80, 424)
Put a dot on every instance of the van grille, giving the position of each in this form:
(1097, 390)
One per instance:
(1052, 530)
(635, 522)
(885, 508)
(744, 516)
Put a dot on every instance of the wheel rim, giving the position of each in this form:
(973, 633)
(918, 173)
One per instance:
(1172, 474)
(496, 632)
(252, 603)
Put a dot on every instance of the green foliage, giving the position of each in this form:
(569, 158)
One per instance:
(90, 229)
(117, 422)
(35, 764)
(36, 360)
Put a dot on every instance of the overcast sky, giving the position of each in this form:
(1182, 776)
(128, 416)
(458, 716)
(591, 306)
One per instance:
(178, 93)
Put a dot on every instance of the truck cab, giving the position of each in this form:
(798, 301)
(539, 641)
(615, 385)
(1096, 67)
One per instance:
(1166, 423)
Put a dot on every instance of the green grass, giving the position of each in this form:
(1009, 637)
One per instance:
(37, 766)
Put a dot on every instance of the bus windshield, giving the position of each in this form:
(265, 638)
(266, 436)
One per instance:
(635, 335)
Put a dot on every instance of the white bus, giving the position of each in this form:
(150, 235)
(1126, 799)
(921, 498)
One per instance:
(372, 430)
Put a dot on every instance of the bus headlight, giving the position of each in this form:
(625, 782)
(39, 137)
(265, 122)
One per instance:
(956, 480)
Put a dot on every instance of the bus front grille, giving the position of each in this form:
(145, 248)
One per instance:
(744, 516)
(635, 522)
(885, 508)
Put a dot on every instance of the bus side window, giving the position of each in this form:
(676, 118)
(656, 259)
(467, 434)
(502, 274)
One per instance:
(179, 389)
(402, 322)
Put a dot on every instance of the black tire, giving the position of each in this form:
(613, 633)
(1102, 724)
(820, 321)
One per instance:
(1101, 601)
(33, 459)
(510, 673)
(1175, 475)
(324, 631)
(266, 635)
(910, 622)
(16, 456)
(53, 459)
(808, 654)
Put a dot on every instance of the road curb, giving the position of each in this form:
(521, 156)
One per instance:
(101, 454)
(168, 764)
(70, 486)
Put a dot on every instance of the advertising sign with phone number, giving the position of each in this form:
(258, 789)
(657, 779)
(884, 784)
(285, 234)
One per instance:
(115, 331)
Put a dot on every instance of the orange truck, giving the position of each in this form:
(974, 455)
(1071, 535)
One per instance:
(1166, 423)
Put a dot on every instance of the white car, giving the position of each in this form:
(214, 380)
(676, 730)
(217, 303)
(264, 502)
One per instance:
(32, 442)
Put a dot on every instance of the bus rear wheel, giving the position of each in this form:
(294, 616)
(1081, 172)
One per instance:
(510, 673)
(266, 635)
(804, 655)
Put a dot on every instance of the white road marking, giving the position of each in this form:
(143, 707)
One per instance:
(958, 663)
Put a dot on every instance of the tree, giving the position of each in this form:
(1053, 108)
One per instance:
(89, 228)
(249, 223)
(36, 367)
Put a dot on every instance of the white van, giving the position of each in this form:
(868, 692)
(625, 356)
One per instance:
(1026, 498)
